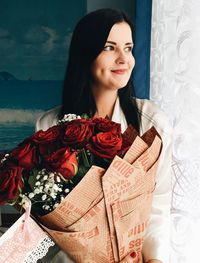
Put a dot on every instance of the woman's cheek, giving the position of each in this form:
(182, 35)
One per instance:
(132, 63)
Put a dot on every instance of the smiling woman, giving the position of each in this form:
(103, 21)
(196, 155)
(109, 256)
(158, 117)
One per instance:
(98, 83)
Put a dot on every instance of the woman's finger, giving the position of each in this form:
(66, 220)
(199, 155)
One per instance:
(131, 258)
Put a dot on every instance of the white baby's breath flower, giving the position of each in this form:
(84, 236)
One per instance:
(31, 195)
(25, 201)
(50, 184)
(58, 179)
(55, 187)
(46, 207)
(55, 205)
(38, 177)
(37, 183)
(44, 197)
(46, 187)
(69, 117)
(66, 190)
(45, 177)
(88, 152)
(51, 175)
(4, 158)
(36, 191)
(53, 196)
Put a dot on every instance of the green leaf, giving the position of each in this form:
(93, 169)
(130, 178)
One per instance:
(32, 179)
(85, 159)
(82, 170)
(84, 116)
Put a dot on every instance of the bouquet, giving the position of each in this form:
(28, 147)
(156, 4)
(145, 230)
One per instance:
(48, 165)
(90, 185)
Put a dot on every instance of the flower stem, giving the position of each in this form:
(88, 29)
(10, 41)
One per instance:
(85, 158)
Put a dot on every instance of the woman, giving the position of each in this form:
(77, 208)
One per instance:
(98, 82)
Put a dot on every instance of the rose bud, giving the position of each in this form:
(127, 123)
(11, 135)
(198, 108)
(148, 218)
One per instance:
(25, 155)
(63, 161)
(77, 133)
(106, 125)
(47, 141)
(105, 144)
(10, 183)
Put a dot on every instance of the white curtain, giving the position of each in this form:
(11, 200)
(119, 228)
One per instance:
(175, 86)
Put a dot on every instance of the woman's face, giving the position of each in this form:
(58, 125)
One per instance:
(113, 66)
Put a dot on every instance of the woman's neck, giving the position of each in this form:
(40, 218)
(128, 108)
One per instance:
(105, 103)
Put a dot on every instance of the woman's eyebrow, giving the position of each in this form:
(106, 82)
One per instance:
(114, 43)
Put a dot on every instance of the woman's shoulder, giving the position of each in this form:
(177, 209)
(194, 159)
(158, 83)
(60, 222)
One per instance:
(152, 115)
(48, 119)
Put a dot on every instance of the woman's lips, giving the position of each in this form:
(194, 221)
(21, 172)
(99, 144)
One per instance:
(119, 71)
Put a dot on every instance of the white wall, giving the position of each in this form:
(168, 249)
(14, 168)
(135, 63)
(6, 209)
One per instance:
(175, 85)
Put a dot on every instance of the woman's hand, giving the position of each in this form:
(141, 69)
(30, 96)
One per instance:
(134, 257)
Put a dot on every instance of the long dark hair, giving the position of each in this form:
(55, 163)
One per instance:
(88, 40)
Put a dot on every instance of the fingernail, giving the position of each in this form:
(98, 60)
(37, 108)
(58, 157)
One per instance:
(133, 254)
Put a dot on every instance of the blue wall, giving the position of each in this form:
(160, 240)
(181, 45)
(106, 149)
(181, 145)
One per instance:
(141, 74)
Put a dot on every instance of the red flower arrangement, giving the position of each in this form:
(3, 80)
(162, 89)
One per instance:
(46, 166)
(94, 221)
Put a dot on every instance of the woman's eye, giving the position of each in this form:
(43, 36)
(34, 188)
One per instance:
(108, 48)
(128, 49)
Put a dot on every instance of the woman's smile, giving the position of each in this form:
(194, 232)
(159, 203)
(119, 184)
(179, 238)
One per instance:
(119, 71)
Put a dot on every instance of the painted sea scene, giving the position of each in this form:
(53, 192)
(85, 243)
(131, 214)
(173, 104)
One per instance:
(21, 103)
(33, 56)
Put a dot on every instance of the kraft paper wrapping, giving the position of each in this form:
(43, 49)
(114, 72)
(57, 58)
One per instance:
(105, 216)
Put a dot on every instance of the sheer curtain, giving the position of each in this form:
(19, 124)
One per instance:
(175, 86)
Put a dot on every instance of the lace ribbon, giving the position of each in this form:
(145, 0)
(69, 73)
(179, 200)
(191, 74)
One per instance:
(40, 251)
(24, 242)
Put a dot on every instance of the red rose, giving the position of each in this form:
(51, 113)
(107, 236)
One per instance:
(10, 183)
(77, 133)
(63, 161)
(25, 155)
(50, 135)
(106, 125)
(105, 144)
(46, 140)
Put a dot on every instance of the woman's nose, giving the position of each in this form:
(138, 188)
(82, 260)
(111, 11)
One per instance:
(121, 57)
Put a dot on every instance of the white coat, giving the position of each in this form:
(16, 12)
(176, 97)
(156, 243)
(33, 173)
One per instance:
(157, 238)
